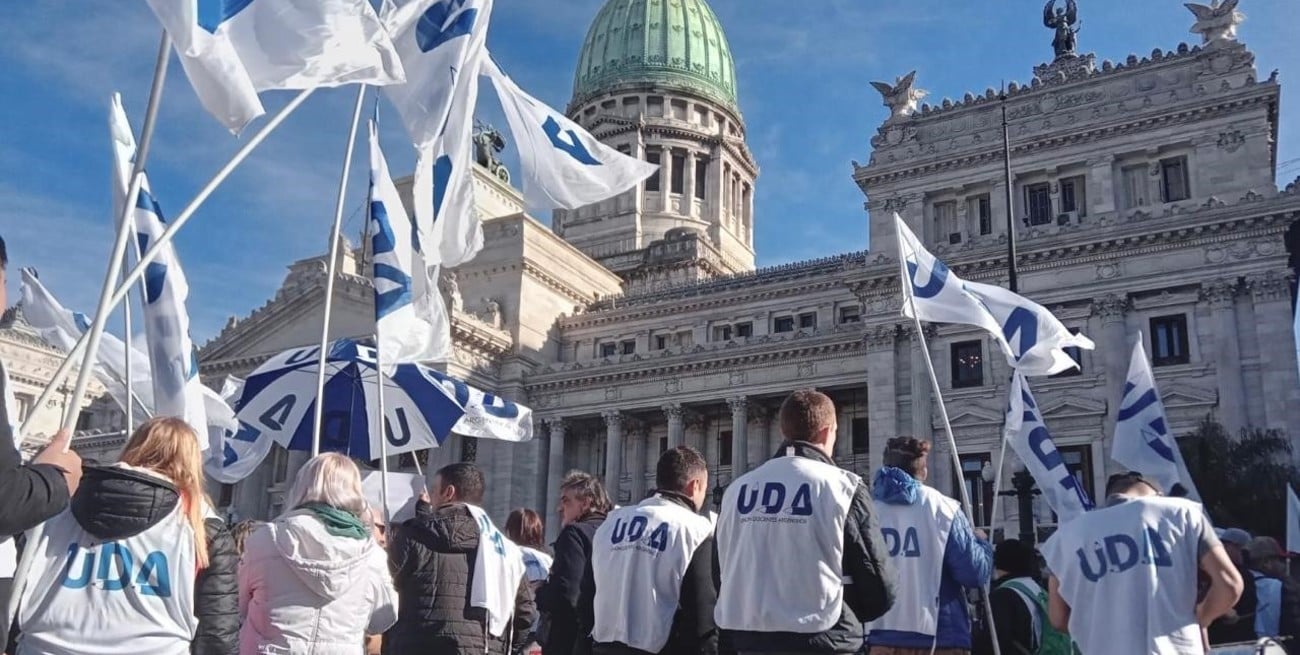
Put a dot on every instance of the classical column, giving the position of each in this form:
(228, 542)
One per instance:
(676, 428)
(1112, 309)
(1101, 184)
(688, 184)
(922, 390)
(554, 475)
(613, 449)
(1271, 296)
(1221, 294)
(758, 451)
(882, 396)
(739, 434)
(636, 466)
(693, 434)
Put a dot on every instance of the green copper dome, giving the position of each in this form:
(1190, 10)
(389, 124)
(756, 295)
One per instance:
(675, 44)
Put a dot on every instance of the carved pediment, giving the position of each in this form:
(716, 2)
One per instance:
(972, 415)
(1072, 407)
(1179, 396)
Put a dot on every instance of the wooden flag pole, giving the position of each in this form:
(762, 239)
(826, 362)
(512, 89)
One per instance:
(331, 271)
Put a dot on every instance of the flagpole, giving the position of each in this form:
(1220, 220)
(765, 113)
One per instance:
(130, 390)
(117, 258)
(383, 428)
(331, 270)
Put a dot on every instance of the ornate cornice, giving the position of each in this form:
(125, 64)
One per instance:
(739, 406)
(1112, 308)
(880, 337)
(673, 411)
(1271, 285)
(1220, 292)
(613, 419)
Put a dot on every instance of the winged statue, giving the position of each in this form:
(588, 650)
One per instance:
(1216, 21)
(1066, 23)
(901, 97)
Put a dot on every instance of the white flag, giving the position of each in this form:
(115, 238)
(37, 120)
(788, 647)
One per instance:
(1028, 436)
(487, 416)
(11, 410)
(237, 449)
(1292, 521)
(1032, 338)
(1143, 440)
(441, 44)
(410, 318)
(173, 357)
(563, 165)
(232, 49)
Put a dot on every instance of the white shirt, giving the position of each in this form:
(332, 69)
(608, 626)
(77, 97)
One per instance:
(915, 537)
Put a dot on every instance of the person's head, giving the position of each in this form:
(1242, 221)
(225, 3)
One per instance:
(525, 528)
(4, 264)
(240, 531)
(329, 479)
(581, 494)
(684, 471)
(461, 482)
(169, 447)
(809, 415)
(909, 454)
(1235, 541)
(1132, 484)
(1016, 559)
(374, 519)
(1265, 555)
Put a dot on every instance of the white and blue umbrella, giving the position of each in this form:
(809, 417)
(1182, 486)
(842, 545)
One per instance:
(279, 399)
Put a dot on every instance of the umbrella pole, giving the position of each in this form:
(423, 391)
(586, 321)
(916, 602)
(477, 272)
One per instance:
(383, 430)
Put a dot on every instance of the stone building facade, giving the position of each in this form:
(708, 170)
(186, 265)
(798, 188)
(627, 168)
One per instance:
(1143, 198)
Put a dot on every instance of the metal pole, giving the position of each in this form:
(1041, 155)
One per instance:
(118, 256)
(1012, 282)
(331, 270)
(383, 429)
(1024, 486)
(126, 325)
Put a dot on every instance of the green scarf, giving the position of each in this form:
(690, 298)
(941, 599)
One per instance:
(338, 522)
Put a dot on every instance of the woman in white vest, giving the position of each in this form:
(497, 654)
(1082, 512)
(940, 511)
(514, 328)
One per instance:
(934, 551)
(315, 580)
(138, 563)
(801, 559)
(654, 567)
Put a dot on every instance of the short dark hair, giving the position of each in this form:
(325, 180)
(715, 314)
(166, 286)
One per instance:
(1017, 558)
(4, 254)
(524, 527)
(1122, 482)
(589, 488)
(466, 478)
(804, 413)
(907, 453)
(677, 467)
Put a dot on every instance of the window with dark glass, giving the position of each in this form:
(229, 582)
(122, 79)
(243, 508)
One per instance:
(1038, 200)
(1169, 340)
(654, 156)
(608, 349)
(627, 347)
(227, 495)
(967, 364)
(663, 445)
(807, 321)
(409, 460)
(1134, 182)
(860, 428)
(724, 448)
(850, 314)
(1078, 461)
(979, 491)
(945, 221)
(744, 330)
(701, 177)
(982, 209)
(783, 324)
(1074, 196)
(722, 333)
(1076, 354)
(661, 341)
(678, 173)
(1174, 185)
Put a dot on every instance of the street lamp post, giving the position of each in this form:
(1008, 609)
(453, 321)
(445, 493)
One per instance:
(1022, 487)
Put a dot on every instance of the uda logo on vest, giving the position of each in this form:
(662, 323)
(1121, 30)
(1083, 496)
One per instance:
(1118, 553)
(908, 544)
(117, 570)
(771, 499)
(634, 530)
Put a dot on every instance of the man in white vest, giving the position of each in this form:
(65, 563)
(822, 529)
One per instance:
(1124, 576)
(654, 567)
(801, 558)
(936, 553)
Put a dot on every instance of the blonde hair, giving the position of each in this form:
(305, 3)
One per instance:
(329, 479)
(168, 446)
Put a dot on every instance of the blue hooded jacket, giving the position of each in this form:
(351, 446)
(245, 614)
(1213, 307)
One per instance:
(967, 564)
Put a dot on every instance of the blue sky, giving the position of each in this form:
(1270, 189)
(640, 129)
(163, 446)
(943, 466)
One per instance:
(804, 91)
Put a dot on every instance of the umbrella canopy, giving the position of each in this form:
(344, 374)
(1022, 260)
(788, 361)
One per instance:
(279, 399)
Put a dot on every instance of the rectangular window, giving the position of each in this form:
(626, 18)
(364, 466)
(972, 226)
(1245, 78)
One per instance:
(279, 465)
(981, 207)
(663, 445)
(783, 324)
(807, 321)
(627, 347)
(661, 341)
(655, 106)
(1074, 196)
(979, 491)
(1038, 201)
(945, 222)
(678, 173)
(861, 433)
(1134, 183)
(722, 333)
(850, 314)
(1078, 461)
(685, 339)
(744, 330)
(654, 156)
(1173, 179)
(625, 149)
(1076, 354)
(608, 349)
(25, 403)
(1169, 340)
(701, 176)
(967, 364)
(724, 448)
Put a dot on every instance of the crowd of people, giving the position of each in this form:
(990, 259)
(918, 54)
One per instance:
(802, 557)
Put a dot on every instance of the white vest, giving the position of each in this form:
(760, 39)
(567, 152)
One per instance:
(1128, 573)
(639, 557)
(781, 546)
(127, 597)
(915, 537)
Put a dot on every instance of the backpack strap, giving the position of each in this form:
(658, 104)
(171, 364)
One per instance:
(1036, 609)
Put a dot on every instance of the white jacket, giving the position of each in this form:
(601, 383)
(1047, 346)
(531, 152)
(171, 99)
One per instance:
(303, 591)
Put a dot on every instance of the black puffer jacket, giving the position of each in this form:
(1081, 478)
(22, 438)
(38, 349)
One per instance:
(432, 558)
(567, 596)
(118, 503)
(28, 494)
